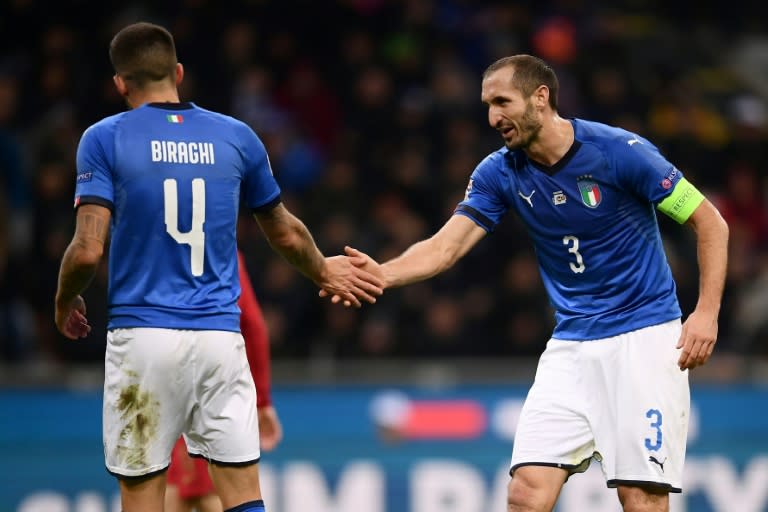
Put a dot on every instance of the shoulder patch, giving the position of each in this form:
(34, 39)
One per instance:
(84, 177)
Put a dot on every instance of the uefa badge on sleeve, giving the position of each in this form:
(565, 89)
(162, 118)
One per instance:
(591, 195)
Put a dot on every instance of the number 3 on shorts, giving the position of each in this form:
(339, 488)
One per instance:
(195, 237)
(655, 416)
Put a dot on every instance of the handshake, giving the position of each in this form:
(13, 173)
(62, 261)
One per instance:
(352, 278)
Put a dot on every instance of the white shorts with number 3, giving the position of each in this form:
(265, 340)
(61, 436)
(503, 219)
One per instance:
(160, 383)
(621, 400)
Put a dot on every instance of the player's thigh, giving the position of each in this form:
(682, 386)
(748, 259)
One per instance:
(225, 426)
(643, 499)
(653, 409)
(552, 429)
(147, 396)
(236, 484)
(535, 488)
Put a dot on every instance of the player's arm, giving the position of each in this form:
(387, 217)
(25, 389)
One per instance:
(712, 253)
(434, 255)
(423, 259)
(289, 237)
(78, 266)
(699, 334)
(687, 205)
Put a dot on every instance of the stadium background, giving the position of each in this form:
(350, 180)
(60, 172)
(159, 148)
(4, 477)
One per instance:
(370, 110)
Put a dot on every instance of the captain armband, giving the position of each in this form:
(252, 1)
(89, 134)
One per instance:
(682, 202)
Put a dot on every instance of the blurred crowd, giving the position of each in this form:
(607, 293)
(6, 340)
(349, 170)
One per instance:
(371, 113)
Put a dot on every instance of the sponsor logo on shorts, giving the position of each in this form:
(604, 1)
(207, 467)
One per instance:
(657, 462)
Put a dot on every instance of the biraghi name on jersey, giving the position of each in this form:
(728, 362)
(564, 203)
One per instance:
(176, 152)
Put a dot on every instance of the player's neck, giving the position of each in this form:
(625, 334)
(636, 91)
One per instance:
(155, 96)
(553, 142)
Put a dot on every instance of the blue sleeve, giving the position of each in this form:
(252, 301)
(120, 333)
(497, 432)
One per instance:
(484, 199)
(642, 169)
(94, 182)
(260, 189)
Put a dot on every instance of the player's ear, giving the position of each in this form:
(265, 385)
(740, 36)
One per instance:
(541, 96)
(120, 85)
(179, 73)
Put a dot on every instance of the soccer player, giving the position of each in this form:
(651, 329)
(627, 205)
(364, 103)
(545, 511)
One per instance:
(189, 486)
(167, 177)
(612, 383)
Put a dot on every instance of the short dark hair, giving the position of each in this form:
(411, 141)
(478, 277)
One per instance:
(530, 73)
(142, 53)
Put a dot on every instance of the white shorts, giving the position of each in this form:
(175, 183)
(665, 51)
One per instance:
(160, 383)
(621, 400)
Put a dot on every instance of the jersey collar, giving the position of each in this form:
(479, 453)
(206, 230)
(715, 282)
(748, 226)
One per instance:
(184, 105)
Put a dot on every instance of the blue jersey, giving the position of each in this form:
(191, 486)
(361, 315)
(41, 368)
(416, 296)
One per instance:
(172, 175)
(593, 224)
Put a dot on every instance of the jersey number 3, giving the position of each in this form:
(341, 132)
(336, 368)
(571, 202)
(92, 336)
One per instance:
(573, 247)
(195, 237)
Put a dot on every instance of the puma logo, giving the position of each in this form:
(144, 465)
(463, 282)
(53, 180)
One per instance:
(656, 461)
(528, 197)
(632, 142)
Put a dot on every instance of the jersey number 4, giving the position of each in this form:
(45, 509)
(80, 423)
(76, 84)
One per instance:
(195, 237)
(572, 243)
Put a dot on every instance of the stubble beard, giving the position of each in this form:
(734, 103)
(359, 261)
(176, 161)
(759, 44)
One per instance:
(528, 132)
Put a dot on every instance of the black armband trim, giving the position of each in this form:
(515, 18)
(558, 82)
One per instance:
(81, 200)
(267, 206)
(475, 215)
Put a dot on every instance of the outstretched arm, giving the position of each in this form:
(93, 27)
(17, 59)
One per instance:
(423, 259)
(78, 266)
(291, 239)
(434, 255)
(699, 333)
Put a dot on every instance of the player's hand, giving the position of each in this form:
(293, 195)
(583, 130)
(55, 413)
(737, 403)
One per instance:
(346, 278)
(363, 262)
(270, 428)
(71, 320)
(697, 340)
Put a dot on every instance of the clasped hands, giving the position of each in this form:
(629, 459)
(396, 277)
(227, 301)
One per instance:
(352, 278)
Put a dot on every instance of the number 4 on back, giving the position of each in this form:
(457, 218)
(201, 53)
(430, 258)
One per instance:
(195, 237)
